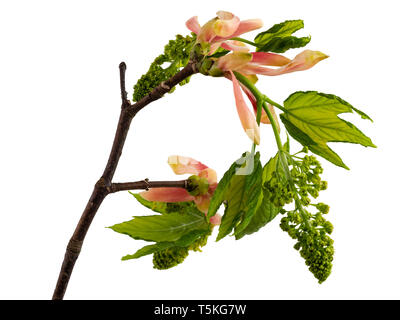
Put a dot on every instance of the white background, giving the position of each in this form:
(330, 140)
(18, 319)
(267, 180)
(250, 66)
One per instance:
(59, 106)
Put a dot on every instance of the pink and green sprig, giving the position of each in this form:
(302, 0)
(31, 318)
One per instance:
(252, 192)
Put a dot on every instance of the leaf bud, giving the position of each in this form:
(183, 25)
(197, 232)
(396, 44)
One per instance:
(197, 186)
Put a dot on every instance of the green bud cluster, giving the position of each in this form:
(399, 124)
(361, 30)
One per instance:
(176, 55)
(313, 243)
(200, 242)
(197, 186)
(322, 207)
(306, 176)
(171, 257)
(279, 190)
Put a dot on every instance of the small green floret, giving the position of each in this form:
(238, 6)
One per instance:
(170, 257)
(313, 242)
(197, 186)
(176, 56)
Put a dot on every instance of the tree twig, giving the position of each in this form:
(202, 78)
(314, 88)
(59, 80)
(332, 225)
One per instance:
(146, 184)
(104, 185)
(122, 71)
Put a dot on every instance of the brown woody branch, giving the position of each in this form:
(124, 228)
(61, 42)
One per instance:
(104, 185)
(146, 185)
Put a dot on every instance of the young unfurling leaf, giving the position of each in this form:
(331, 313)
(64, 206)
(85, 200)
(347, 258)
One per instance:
(279, 38)
(312, 119)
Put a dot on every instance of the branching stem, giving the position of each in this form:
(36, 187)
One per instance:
(104, 185)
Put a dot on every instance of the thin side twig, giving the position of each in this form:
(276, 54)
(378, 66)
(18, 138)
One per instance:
(146, 184)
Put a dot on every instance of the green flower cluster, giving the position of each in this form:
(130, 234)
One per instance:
(176, 55)
(171, 257)
(279, 190)
(313, 243)
(306, 176)
(310, 230)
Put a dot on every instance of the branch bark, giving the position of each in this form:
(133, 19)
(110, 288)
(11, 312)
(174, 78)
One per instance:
(104, 185)
(146, 185)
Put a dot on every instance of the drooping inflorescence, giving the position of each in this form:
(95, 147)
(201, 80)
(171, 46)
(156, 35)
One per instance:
(310, 230)
(313, 241)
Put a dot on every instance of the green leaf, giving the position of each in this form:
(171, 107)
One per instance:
(163, 228)
(252, 196)
(279, 38)
(312, 119)
(219, 193)
(265, 211)
(166, 207)
(281, 45)
(242, 196)
(185, 241)
(282, 29)
(150, 249)
(264, 214)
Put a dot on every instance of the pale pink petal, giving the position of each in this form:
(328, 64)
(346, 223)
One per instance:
(269, 59)
(212, 188)
(184, 165)
(233, 61)
(207, 33)
(214, 47)
(247, 118)
(216, 219)
(247, 26)
(244, 26)
(253, 100)
(232, 45)
(251, 97)
(203, 202)
(225, 15)
(303, 61)
(167, 195)
(226, 24)
(264, 116)
(209, 174)
(265, 119)
(272, 109)
(256, 69)
(193, 25)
